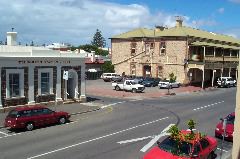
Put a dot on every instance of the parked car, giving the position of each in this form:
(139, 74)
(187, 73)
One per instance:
(117, 78)
(128, 85)
(168, 84)
(226, 82)
(229, 127)
(138, 79)
(107, 77)
(200, 147)
(149, 82)
(29, 117)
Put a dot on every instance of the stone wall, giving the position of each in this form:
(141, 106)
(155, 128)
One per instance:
(172, 61)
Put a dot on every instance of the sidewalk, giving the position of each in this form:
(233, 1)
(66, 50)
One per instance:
(73, 109)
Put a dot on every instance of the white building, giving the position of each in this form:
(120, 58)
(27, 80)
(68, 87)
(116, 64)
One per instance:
(32, 75)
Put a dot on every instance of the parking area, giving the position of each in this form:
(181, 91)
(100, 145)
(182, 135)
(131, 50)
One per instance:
(101, 88)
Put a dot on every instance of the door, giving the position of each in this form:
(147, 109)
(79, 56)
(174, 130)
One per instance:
(48, 116)
(70, 88)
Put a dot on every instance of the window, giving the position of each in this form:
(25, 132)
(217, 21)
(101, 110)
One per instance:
(14, 85)
(162, 48)
(45, 83)
(147, 48)
(133, 49)
(46, 111)
(133, 69)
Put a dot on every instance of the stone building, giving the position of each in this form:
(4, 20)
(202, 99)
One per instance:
(193, 55)
(31, 75)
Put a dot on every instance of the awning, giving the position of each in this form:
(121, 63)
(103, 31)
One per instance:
(198, 43)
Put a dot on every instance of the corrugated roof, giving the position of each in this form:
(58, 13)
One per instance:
(178, 32)
(198, 43)
(136, 33)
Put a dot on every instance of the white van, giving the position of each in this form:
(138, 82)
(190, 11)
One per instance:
(107, 77)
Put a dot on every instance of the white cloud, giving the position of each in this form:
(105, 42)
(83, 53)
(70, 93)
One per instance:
(75, 21)
(221, 10)
(235, 1)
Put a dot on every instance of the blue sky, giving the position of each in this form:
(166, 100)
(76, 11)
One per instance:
(76, 21)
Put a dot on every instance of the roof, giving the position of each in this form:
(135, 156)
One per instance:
(140, 32)
(198, 43)
(177, 32)
(29, 107)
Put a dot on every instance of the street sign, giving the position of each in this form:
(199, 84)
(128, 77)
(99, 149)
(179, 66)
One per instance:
(65, 75)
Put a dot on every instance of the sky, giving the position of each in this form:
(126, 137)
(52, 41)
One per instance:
(76, 21)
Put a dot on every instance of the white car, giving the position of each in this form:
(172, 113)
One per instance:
(107, 77)
(168, 84)
(128, 85)
(226, 82)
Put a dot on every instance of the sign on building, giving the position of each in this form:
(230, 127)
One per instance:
(65, 75)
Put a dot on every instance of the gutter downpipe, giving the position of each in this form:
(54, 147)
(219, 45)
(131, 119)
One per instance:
(203, 69)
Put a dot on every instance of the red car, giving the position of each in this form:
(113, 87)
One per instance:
(199, 148)
(29, 117)
(229, 127)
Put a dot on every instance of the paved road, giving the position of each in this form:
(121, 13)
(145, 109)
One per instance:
(96, 135)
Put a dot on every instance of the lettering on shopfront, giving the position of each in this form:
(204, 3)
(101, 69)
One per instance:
(43, 62)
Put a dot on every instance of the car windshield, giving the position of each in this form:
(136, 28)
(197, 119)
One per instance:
(172, 146)
(13, 114)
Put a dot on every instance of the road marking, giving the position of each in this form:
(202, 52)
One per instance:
(222, 150)
(134, 140)
(109, 105)
(156, 138)
(10, 135)
(4, 133)
(209, 105)
(98, 138)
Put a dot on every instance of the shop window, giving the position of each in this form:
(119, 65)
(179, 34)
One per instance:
(133, 48)
(162, 48)
(14, 85)
(45, 83)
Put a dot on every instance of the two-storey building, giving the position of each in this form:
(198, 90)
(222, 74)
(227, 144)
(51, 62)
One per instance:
(193, 55)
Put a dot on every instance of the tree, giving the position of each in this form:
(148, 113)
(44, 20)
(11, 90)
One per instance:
(98, 39)
(89, 48)
(108, 67)
(172, 77)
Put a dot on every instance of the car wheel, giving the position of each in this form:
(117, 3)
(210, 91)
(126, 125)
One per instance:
(134, 90)
(62, 120)
(211, 155)
(29, 126)
(117, 88)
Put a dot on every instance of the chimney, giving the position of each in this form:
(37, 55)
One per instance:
(179, 21)
(12, 38)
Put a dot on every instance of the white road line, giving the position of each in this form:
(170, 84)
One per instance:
(3, 133)
(98, 138)
(10, 135)
(207, 106)
(134, 140)
(222, 150)
(109, 105)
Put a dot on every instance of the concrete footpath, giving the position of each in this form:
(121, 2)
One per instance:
(73, 109)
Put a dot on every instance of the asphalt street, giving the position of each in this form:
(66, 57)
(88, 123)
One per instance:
(97, 135)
